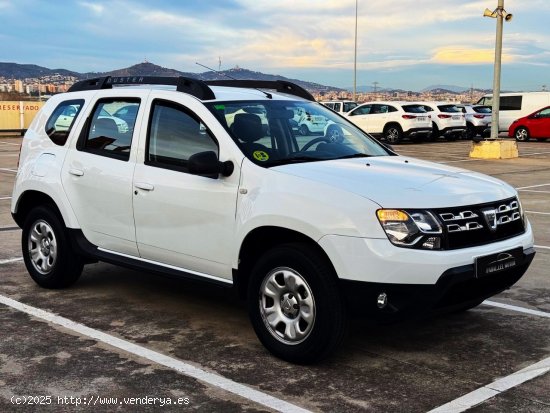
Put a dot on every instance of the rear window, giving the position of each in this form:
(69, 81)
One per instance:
(510, 102)
(482, 109)
(349, 106)
(449, 108)
(506, 102)
(62, 119)
(414, 109)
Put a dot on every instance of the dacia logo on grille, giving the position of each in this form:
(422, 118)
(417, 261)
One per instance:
(490, 215)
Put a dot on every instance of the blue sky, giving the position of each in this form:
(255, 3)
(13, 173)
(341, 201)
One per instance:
(407, 44)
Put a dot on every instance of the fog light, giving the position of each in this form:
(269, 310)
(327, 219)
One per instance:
(382, 300)
(432, 243)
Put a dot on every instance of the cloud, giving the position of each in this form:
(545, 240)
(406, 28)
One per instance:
(94, 7)
(466, 55)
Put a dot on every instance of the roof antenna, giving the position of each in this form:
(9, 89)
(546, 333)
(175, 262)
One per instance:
(267, 95)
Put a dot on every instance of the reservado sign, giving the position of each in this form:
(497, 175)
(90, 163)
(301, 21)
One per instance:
(17, 116)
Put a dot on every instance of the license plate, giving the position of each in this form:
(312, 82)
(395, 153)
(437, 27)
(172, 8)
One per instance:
(456, 117)
(421, 118)
(499, 262)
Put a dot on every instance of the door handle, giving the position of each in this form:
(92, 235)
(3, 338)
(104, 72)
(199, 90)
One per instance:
(145, 186)
(76, 172)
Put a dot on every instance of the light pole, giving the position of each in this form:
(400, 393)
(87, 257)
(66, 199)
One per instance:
(355, 58)
(500, 14)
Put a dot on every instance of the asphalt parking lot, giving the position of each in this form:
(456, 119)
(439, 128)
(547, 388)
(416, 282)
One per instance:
(121, 340)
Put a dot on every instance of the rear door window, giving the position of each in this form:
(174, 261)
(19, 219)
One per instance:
(110, 135)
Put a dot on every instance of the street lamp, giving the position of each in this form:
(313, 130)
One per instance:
(500, 14)
(355, 58)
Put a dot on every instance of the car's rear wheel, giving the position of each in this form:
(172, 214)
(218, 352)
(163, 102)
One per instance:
(294, 304)
(435, 131)
(471, 132)
(393, 134)
(48, 255)
(521, 134)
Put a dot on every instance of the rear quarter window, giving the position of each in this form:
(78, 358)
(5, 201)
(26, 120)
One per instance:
(62, 119)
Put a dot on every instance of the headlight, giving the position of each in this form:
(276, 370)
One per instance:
(411, 228)
(521, 211)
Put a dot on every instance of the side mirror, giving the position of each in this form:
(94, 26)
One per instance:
(535, 116)
(207, 164)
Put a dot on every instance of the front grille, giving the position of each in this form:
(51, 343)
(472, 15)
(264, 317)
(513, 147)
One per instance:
(473, 225)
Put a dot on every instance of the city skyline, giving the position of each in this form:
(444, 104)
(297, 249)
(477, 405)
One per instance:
(406, 44)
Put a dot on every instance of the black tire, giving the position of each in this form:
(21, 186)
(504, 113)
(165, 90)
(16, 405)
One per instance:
(522, 134)
(304, 130)
(47, 252)
(471, 132)
(435, 132)
(325, 307)
(393, 134)
(461, 309)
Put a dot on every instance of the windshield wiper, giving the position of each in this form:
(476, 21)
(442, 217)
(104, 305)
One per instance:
(355, 155)
(296, 159)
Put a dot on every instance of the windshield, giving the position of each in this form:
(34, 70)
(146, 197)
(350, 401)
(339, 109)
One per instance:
(277, 132)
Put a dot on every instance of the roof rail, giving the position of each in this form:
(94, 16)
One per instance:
(281, 86)
(193, 87)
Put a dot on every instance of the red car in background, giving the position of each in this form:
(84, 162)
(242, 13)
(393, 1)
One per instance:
(536, 125)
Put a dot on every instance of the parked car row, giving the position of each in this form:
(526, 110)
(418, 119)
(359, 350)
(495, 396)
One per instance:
(395, 121)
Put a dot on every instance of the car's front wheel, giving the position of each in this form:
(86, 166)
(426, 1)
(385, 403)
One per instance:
(294, 304)
(47, 252)
(521, 134)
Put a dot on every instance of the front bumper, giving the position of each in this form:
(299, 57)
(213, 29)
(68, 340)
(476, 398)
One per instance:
(418, 279)
(456, 288)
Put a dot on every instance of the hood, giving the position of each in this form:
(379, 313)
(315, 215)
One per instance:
(403, 182)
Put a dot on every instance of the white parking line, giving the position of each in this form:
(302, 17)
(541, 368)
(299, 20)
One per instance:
(7, 261)
(8, 170)
(495, 388)
(185, 368)
(538, 213)
(10, 143)
(532, 186)
(533, 190)
(534, 153)
(5, 197)
(542, 247)
(516, 308)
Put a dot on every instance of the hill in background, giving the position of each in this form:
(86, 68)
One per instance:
(18, 71)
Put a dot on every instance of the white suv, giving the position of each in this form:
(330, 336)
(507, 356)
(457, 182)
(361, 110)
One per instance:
(447, 120)
(478, 119)
(392, 120)
(340, 106)
(311, 230)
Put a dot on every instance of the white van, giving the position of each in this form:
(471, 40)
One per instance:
(516, 105)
